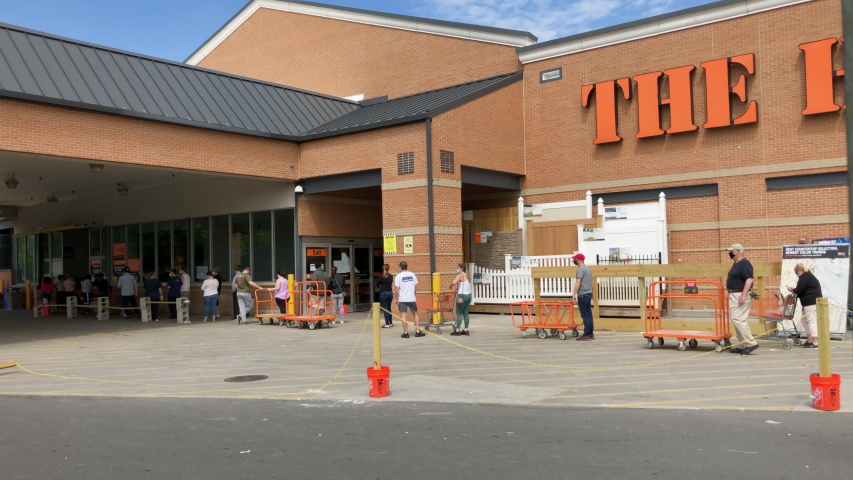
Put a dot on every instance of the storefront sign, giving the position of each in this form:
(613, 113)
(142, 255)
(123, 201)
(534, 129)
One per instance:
(133, 265)
(482, 237)
(615, 213)
(467, 215)
(720, 92)
(816, 251)
(119, 249)
(408, 245)
(95, 266)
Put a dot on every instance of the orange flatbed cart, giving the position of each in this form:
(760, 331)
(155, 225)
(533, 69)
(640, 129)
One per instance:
(545, 317)
(311, 307)
(652, 313)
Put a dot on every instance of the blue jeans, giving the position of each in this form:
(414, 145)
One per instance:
(585, 306)
(127, 301)
(210, 305)
(385, 301)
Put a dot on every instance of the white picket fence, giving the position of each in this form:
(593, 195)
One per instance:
(515, 285)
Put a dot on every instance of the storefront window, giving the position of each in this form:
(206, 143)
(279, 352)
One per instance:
(149, 249)
(44, 254)
(22, 259)
(56, 246)
(94, 242)
(181, 240)
(164, 249)
(31, 257)
(284, 247)
(219, 253)
(262, 246)
(240, 244)
(201, 248)
(133, 250)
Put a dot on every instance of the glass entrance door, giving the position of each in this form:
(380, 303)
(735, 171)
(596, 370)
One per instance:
(363, 278)
(342, 258)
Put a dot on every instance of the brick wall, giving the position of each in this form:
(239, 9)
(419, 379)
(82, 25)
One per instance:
(339, 219)
(343, 58)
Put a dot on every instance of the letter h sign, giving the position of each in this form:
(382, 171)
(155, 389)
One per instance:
(820, 76)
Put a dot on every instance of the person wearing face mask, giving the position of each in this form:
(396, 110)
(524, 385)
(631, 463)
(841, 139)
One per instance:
(463, 299)
(808, 291)
(738, 285)
(582, 294)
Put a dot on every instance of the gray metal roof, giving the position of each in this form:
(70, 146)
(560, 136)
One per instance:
(411, 108)
(430, 21)
(45, 68)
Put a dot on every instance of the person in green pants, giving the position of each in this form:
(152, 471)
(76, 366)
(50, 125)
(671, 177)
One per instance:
(462, 284)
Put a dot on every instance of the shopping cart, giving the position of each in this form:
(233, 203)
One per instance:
(779, 308)
(443, 312)
(545, 317)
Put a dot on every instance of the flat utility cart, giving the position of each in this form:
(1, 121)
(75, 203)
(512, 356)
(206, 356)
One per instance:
(266, 308)
(545, 317)
(313, 307)
(779, 308)
(443, 314)
(714, 293)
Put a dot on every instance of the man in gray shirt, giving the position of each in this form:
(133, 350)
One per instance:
(127, 287)
(582, 294)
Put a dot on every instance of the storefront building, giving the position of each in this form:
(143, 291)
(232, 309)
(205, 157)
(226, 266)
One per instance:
(732, 109)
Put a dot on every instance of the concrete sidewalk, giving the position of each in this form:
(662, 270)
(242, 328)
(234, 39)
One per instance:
(493, 365)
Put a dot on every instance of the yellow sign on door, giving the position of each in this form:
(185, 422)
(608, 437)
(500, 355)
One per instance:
(408, 245)
(390, 244)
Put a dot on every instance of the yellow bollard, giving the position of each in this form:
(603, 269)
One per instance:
(29, 293)
(377, 338)
(436, 290)
(291, 305)
(824, 352)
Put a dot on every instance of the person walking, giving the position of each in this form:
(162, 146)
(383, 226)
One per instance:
(582, 294)
(128, 288)
(462, 284)
(153, 290)
(336, 285)
(218, 278)
(808, 291)
(282, 292)
(322, 278)
(244, 294)
(739, 285)
(102, 286)
(386, 294)
(234, 305)
(406, 298)
(86, 292)
(174, 285)
(210, 291)
(185, 283)
(46, 291)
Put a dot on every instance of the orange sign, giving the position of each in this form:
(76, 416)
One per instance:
(478, 237)
(133, 264)
(820, 76)
(719, 91)
(119, 249)
(316, 252)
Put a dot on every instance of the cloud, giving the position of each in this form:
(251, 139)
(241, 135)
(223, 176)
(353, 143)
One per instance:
(546, 19)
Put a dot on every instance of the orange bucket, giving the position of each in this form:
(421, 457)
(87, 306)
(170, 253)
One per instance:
(826, 392)
(379, 381)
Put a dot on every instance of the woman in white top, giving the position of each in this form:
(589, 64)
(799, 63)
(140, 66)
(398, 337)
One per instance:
(462, 284)
(86, 291)
(210, 289)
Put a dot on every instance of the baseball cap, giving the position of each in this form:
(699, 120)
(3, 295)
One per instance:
(736, 246)
(579, 256)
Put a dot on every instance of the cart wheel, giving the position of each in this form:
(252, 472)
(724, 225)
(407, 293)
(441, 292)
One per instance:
(542, 333)
(561, 335)
(681, 346)
(718, 347)
(523, 333)
(282, 323)
(728, 343)
(312, 326)
(426, 327)
(306, 324)
(797, 341)
(329, 323)
(554, 332)
(438, 330)
(693, 343)
(786, 346)
(660, 340)
(651, 343)
(575, 332)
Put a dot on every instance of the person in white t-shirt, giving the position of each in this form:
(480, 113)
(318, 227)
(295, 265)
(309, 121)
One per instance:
(404, 296)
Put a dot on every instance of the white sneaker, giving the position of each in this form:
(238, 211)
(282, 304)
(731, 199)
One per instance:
(187, 321)
(205, 319)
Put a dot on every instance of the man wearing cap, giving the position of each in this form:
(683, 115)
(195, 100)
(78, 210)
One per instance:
(128, 288)
(582, 294)
(738, 285)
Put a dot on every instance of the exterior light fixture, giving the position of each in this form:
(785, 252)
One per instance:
(52, 198)
(298, 189)
(96, 167)
(11, 181)
(122, 189)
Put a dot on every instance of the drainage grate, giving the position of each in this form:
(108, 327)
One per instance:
(247, 378)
